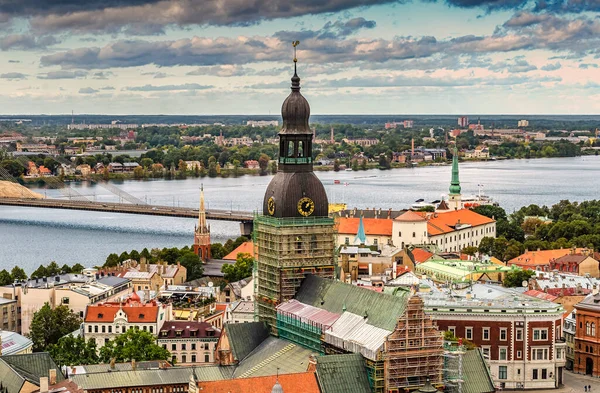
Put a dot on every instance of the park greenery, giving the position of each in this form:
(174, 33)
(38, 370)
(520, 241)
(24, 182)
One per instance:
(17, 273)
(50, 324)
(563, 225)
(515, 278)
(242, 268)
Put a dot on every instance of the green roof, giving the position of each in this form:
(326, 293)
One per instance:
(122, 379)
(477, 378)
(342, 374)
(11, 380)
(245, 337)
(29, 367)
(382, 309)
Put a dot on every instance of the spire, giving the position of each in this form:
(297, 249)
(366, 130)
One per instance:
(295, 110)
(295, 78)
(202, 227)
(361, 237)
(455, 182)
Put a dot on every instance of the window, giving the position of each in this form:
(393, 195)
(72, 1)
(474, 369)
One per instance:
(414, 234)
(65, 300)
(173, 347)
(103, 329)
(206, 358)
(89, 328)
(469, 333)
(587, 329)
(502, 334)
(593, 330)
(347, 241)
(183, 359)
(110, 329)
(502, 355)
(374, 242)
(544, 373)
(502, 372)
(519, 334)
(183, 347)
(193, 346)
(519, 354)
(540, 334)
(535, 373)
(206, 346)
(485, 335)
(151, 329)
(452, 329)
(193, 358)
(300, 149)
(539, 354)
(96, 329)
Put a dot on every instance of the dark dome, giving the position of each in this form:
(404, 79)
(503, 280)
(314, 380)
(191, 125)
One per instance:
(287, 188)
(295, 111)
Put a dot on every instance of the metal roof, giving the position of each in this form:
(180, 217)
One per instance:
(308, 314)
(477, 378)
(13, 343)
(342, 374)
(123, 379)
(354, 334)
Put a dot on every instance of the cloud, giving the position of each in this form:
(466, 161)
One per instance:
(13, 76)
(157, 75)
(226, 70)
(330, 30)
(489, 5)
(87, 90)
(552, 67)
(102, 75)
(585, 66)
(26, 42)
(515, 66)
(149, 17)
(63, 75)
(107, 88)
(14, 61)
(186, 86)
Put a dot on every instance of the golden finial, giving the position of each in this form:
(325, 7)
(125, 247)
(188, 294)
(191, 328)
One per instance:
(295, 44)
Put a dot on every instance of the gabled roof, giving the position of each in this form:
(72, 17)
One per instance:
(188, 329)
(462, 216)
(245, 337)
(291, 383)
(244, 248)
(373, 226)
(410, 216)
(591, 301)
(383, 310)
(136, 312)
(540, 295)
(16, 369)
(541, 257)
(421, 255)
(476, 373)
(354, 333)
(573, 258)
(342, 374)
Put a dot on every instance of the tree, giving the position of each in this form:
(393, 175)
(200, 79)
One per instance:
(470, 250)
(66, 269)
(495, 212)
(193, 265)
(384, 162)
(212, 167)
(112, 260)
(515, 278)
(134, 344)
(53, 269)
(40, 272)
(18, 274)
(263, 163)
(124, 256)
(49, 325)
(77, 268)
(354, 165)
(336, 165)
(146, 254)
(486, 245)
(14, 167)
(530, 225)
(146, 162)
(241, 269)
(5, 278)
(139, 172)
(363, 164)
(71, 351)
(273, 167)
(217, 251)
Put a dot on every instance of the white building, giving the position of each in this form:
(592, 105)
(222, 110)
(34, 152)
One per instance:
(523, 123)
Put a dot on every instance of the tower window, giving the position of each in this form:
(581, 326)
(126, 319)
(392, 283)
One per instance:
(290, 152)
(313, 242)
(300, 149)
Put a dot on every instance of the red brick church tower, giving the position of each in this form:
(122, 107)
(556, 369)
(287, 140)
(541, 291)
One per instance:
(202, 232)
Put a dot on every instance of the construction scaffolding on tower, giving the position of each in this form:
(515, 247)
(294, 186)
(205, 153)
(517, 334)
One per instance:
(414, 351)
(453, 366)
(287, 250)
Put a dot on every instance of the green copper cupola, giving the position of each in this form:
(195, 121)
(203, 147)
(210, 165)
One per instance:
(455, 182)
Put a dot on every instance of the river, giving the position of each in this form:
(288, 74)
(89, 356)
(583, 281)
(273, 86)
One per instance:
(31, 236)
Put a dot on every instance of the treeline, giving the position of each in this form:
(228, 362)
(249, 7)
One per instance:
(564, 225)
(17, 273)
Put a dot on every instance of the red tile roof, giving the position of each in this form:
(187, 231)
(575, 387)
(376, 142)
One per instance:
(540, 295)
(291, 383)
(421, 255)
(462, 216)
(136, 312)
(244, 248)
(373, 226)
(410, 216)
(533, 259)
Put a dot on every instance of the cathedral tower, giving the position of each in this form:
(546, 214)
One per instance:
(454, 197)
(294, 236)
(202, 232)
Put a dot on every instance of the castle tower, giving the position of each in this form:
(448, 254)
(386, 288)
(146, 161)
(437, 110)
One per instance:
(202, 232)
(454, 197)
(294, 236)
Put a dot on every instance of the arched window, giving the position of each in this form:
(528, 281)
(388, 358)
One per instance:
(300, 149)
(414, 234)
(588, 330)
(593, 329)
(290, 152)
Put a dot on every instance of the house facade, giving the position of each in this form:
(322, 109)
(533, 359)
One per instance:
(189, 342)
(587, 335)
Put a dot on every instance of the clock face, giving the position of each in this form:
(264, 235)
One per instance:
(271, 206)
(306, 207)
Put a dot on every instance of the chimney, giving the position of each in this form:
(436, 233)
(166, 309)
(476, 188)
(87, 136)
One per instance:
(52, 376)
(44, 385)
(112, 363)
(133, 365)
(312, 363)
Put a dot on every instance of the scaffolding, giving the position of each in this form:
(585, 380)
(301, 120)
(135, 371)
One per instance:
(287, 250)
(414, 351)
(453, 367)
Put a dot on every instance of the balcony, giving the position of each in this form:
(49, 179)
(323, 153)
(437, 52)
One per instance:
(560, 352)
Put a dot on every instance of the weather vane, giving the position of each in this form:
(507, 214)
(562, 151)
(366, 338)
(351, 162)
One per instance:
(295, 44)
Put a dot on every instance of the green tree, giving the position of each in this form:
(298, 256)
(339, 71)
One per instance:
(146, 254)
(5, 278)
(336, 165)
(363, 164)
(355, 165)
(77, 268)
(263, 163)
(470, 250)
(217, 251)
(66, 269)
(212, 167)
(515, 278)
(18, 273)
(384, 162)
(241, 269)
(124, 256)
(193, 265)
(112, 260)
(135, 255)
(53, 269)
(49, 325)
(14, 167)
(273, 167)
(146, 162)
(40, 272)
(134, 344)
(71, 351)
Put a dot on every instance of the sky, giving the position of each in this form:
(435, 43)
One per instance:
(206, 57)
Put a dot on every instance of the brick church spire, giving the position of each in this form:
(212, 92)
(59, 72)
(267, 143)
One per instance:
(202, 232)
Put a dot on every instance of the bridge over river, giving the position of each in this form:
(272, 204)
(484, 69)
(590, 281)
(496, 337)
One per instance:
(245, 219)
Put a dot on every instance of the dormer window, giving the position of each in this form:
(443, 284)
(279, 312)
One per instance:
(100, 315)
(142, 316)
(178, 333)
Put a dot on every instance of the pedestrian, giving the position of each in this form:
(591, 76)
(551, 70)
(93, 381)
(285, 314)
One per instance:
(589, 388)
(585, 388)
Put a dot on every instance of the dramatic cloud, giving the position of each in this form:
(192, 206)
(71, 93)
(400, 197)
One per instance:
(552, 67)
(515, 66)
(63, 75)
(187, 86)
(26, 42)
(585, 66)
(87, 90)
(331, 30)
(13, 75)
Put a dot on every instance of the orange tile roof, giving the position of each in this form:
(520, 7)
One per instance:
(421, 255)
(373, 226)
(291, 383)
(133, 310)
(465, 216)
(244, 248)
(410, 216)
(539, 258)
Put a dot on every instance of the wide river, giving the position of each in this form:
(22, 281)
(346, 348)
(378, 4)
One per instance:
(31, 236)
